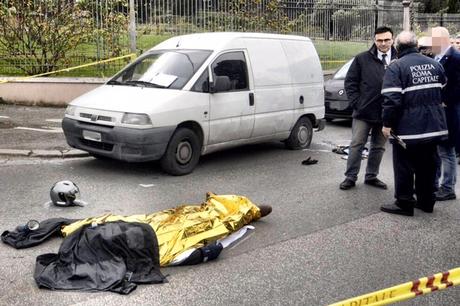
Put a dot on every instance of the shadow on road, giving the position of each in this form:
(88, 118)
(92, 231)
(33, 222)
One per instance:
(216, 161)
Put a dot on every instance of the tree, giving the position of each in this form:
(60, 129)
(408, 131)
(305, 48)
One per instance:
(453, 6)
(41, 32)
(440, 6)
(246, 15)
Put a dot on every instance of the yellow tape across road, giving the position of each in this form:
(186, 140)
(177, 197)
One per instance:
(406, 291)
(132, 55)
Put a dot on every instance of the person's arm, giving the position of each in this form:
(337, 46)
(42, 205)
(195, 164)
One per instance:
(392, 98)
(443, 81)
(352, 82)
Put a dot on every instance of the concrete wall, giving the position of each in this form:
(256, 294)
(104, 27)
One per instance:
(45, 91)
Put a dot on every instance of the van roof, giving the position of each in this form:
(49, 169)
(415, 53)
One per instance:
(217, 40)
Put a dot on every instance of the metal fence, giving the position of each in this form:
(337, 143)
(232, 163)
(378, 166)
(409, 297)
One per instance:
(327, 19)
(422, 22)
(339, 28)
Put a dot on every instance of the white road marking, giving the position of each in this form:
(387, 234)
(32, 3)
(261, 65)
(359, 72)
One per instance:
(54, 120)
(146, 185)
(4, 117)
(312, 150)
(50, 130)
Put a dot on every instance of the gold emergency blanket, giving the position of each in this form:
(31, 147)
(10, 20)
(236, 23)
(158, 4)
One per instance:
(188, 226)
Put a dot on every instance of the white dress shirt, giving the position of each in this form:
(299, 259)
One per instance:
(388, 57)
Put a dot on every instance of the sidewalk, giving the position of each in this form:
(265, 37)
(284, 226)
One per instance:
(30, 131)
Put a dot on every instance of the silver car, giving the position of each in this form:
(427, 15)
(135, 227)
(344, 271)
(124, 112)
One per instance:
(335, 98)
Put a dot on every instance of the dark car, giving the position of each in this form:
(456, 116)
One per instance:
(335, 98)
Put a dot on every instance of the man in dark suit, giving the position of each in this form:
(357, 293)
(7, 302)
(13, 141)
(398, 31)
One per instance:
(363, 84)
(449, 58)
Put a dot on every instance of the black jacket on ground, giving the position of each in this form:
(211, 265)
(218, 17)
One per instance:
(412, 88)
(363, 85)
(114, 256)
(21, 239)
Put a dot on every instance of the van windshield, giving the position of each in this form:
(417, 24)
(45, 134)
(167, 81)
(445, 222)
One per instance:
(162, 69)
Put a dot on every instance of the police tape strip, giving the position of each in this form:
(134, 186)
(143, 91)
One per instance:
(334, 62)
(406, 291)
(131, 55)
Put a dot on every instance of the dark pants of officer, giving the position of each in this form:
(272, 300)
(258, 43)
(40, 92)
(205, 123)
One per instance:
(415, 165)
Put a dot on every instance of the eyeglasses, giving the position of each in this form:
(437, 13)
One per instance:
(381, 41)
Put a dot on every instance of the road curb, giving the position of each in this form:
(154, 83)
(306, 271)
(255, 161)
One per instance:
(43, 153)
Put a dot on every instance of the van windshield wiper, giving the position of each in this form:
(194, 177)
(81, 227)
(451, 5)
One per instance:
(114, 82)
(144, 83)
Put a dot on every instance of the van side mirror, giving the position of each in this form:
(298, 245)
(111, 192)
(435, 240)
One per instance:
(211, 87)
(221, 83)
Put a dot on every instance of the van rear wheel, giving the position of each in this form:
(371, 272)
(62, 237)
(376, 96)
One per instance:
(182, 153)
(301, 135)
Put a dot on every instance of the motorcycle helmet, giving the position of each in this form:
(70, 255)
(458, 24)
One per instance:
(65, 193)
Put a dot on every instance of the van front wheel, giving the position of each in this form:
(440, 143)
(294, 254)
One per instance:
(301, 135)
(182, 153)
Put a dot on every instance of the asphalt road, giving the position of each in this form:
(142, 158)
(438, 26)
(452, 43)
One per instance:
(320, 245)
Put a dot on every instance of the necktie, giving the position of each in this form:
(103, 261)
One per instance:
(384, 59)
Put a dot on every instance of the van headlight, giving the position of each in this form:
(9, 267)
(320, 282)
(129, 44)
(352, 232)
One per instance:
(70, 110)
(137, 119)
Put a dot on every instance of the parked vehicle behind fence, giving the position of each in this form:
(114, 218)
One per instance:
(195, 94)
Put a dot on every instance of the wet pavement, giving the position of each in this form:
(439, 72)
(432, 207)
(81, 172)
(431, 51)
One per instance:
(33, 131)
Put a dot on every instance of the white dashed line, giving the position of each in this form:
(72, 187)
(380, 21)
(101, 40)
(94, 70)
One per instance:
(52, 130)
(54, 120)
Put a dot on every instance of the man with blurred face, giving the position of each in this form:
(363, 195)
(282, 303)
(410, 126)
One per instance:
(363, 84)
(449, 58)
(424, 46)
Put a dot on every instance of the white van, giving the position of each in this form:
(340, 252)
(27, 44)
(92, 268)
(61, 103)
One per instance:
(195, 94)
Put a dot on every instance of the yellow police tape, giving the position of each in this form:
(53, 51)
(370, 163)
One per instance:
(406, 291)
(131, 55)
(334, 62)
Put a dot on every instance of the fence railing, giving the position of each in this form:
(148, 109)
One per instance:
(339, 28)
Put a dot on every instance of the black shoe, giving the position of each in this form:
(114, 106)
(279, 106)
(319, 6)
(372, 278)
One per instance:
(423, 208)
(347, 184)
(395, 209)
(265, 210)
(376, 183)
(442, 195)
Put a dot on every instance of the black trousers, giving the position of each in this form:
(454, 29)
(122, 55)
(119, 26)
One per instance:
(415, 173)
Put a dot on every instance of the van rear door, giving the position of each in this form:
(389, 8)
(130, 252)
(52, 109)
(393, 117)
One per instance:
(232, 102)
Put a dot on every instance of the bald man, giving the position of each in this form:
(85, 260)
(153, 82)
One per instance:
(412, 110)
(424, 46)
(449, 58)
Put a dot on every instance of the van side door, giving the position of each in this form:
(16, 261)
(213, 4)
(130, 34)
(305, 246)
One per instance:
(231, 100)
(272, 86)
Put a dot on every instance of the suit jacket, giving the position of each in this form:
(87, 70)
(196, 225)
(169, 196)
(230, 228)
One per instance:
(451, 94)
(363, 84)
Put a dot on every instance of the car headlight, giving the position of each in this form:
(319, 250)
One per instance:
(137, 119)
(70, 110)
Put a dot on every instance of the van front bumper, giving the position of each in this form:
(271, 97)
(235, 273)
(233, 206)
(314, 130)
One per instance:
(320, 124)
(132, 145)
